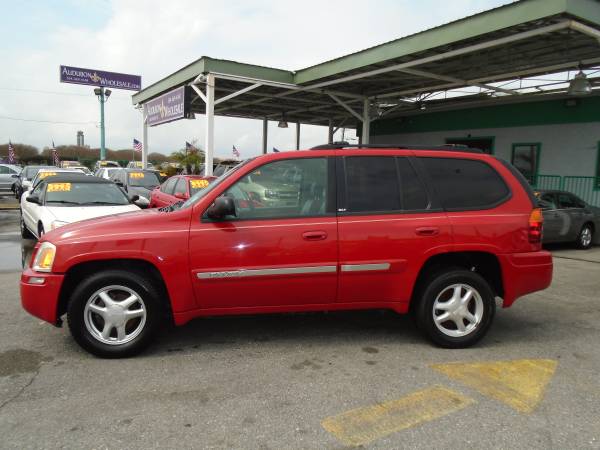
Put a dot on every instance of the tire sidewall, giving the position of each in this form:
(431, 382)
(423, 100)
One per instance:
(138, 283)
(580, 237)
(435, 285)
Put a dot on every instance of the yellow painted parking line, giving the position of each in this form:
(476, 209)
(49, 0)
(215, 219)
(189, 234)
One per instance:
(519, 384)
(363, 425)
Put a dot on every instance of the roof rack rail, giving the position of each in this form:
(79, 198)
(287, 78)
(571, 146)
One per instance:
(446, 147)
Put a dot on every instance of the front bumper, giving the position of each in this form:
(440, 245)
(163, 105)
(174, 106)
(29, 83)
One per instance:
(524, 273)
(41, 299)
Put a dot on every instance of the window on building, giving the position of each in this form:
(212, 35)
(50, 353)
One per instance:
(597, 180)
(485, 144)
(525, 158)
(465, 183)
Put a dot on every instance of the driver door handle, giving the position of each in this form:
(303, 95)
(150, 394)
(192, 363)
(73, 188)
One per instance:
(427, 231)
(314, 235)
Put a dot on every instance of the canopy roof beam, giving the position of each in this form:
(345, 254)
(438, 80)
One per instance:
(458, 81)
(346, 107)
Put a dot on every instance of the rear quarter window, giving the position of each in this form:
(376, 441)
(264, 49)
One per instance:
(464, 184)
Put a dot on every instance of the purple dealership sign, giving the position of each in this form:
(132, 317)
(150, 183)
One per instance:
(93, 77)
(167, 107)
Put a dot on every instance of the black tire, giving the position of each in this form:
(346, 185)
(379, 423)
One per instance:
(25, 233)
(142, 286)
(440, 283)
(585, 238)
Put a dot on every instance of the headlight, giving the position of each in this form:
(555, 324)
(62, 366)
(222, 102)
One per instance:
(57, 223)
(44, 258)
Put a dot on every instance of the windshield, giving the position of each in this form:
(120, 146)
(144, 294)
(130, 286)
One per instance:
(147, 180)
(202, 192)
(77, 194)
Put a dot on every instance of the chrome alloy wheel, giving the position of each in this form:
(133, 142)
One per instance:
(586, 236)
(458, 310)
(115, 315)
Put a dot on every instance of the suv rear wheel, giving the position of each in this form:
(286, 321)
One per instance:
(114, 314)
(456, 308)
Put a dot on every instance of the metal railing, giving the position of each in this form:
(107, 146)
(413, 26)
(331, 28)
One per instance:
(586, 188)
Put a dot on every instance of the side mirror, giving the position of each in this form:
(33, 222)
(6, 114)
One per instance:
(545, 205)
(223, 206)
(119, 183)
(134, 198)
(33, 199)
(14, 175)
(180, 196)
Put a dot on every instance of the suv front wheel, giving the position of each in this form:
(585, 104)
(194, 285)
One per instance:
(456, 308)
(114, 314)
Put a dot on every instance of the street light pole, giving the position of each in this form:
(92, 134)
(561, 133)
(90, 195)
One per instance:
(102, 141)
(102, 95)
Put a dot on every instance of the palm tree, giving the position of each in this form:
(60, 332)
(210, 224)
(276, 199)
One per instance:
(191, 160)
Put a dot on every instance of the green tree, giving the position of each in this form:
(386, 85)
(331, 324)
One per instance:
(23, 152)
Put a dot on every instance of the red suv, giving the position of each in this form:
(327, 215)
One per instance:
(439, 232)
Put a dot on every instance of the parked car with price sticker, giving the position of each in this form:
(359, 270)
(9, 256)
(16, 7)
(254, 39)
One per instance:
(65, 198)
(137, 182)
(50, 172)
(178, 188)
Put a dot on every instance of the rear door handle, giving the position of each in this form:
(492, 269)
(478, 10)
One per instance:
(314, 235)
(427, 231)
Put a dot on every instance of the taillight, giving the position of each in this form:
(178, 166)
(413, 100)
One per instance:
(536, 226)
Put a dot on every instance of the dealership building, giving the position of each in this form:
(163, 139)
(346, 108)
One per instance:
(521, 81)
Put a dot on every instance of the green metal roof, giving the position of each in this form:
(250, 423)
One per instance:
(347, 74)
(485, 22)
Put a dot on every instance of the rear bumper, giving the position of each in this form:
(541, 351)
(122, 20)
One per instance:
(524, 273)
(41, 299)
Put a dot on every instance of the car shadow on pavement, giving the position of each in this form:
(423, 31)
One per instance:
(305, 329)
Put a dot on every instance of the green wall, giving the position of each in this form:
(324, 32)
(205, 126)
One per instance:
(499, 116)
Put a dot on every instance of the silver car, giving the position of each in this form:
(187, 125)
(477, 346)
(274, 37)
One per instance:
(8, 175)
(567, 218)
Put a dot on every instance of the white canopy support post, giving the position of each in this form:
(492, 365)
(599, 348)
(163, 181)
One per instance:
(366, 122)
(144, 140)
(330, 132)
(297, 135)
(264, 135)
(209, 138)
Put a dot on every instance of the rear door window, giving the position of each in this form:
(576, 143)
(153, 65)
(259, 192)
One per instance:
(381, 184)
(168, 186)
(463, 184)
(567, 201)
(372, 184)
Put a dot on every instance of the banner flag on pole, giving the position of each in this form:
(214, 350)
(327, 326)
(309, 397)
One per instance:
(236, 152)
(55, 157)
(11, 153)
(137, 145)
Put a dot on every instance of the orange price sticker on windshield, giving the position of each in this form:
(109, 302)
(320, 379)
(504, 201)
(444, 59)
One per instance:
(46, 174)
(59, 187)
(136, 175)
(199, 184)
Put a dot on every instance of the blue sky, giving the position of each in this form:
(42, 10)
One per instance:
(154, 38)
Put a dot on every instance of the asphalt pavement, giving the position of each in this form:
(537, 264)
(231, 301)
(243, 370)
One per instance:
(332, 381)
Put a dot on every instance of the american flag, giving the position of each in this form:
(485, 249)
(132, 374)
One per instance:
(137, 145)
(11, 153)
(189, 148)
(236, 152)
(55, 157)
